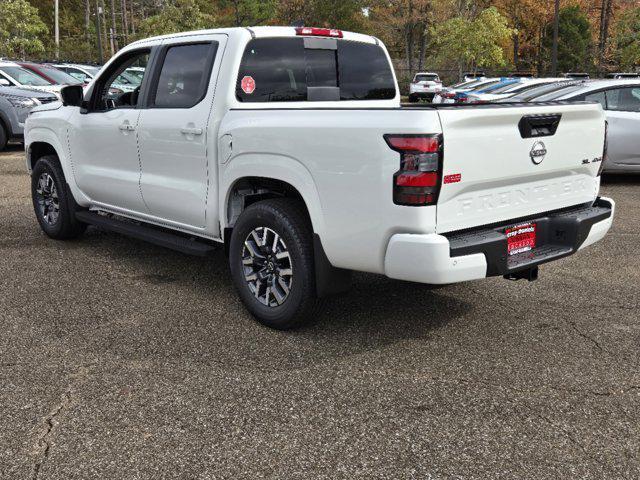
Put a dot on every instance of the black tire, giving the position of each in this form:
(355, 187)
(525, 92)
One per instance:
(413, 98)
(65, 225)
(288, 219)
(4, 137)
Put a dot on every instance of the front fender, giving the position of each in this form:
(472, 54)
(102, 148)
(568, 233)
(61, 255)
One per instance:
(42, 134)
(275, 167)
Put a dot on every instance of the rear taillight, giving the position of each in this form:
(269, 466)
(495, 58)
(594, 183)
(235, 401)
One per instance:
(449, 95)
(417, 183)
(319, 32)
(604, 148)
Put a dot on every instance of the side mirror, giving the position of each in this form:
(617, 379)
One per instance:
(4, 82)
(72, 96)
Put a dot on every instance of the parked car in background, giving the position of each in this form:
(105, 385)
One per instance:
(137, 72)
(538, 90)
(620, 100)
(448, 95)
(13, 75)
(82, 73)
(508, 90)
(424, 86)
(15, 105)
(462, 96)
(50, 73)
(125, 82)
(620, 76)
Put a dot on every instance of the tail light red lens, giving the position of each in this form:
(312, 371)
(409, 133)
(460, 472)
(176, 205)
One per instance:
(319, 32)
(417, 182)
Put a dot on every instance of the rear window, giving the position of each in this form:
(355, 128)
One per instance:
(426, 78)
(283, 70)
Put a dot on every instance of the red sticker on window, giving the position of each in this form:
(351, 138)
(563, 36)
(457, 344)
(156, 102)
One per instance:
(248, 85)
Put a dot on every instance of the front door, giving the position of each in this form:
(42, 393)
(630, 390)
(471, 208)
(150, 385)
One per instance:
(173, 131)
(103, 141)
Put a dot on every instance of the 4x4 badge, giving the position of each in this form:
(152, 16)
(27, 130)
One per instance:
(537, 153)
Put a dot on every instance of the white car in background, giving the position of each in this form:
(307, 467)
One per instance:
(620, 100)
(424, 86)
(511, 89)
(13, 75)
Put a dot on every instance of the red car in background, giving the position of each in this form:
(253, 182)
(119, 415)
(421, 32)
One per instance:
(50, 73)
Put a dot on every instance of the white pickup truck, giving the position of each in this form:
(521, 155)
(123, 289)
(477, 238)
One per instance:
(290, 147)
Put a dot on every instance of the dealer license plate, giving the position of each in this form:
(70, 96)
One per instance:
(521, 238)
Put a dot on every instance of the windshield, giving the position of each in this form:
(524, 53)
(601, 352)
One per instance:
(58, 76)
(125, 78)
(484, 84)
(549, 97)
(508, 87)
(497, 87)
(25, 77)
(539, 90)
(426, 78)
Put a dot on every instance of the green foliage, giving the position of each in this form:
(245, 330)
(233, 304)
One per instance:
(627, 39)
(177, 16)
(478, 42)
(342, 14)
(575, 52)
(20, 29)
(246, 13)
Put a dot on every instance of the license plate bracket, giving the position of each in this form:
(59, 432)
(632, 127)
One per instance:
(521, 238)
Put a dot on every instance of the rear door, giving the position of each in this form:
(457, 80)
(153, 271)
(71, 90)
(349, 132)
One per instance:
(173, 132)
(506, 162)
(623, 115)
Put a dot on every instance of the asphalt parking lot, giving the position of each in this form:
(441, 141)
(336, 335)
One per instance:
(122, 360)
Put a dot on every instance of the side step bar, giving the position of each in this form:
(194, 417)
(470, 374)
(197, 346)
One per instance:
(148, 234)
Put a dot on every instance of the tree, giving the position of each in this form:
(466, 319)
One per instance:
(20, 29)
(176, 16)
(574, 41)
(477, 43)
(237, 13)
(626, 39)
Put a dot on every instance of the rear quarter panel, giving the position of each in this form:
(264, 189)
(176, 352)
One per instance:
(339, 162)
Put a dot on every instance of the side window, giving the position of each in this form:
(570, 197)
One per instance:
(273, 70)
(112, 94)
(625, 99)
(183, 79)
(597, 97)
(365, 73)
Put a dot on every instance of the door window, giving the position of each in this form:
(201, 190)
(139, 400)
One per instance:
(111, 93)
(183, 79)
(625, 99)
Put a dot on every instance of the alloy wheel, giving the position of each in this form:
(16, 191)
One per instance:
(267, 266)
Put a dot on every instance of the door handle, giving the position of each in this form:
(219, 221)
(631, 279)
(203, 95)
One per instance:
(191, 131)
(126, 127)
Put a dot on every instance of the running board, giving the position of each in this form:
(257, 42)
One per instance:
(146, 233)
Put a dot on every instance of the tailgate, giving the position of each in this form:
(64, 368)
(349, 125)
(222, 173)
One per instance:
(504, 162)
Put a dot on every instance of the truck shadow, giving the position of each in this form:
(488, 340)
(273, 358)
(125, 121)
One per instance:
(622, 179)
(186, 308)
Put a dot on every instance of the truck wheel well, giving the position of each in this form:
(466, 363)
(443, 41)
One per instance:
(249, 190)
(38, 150)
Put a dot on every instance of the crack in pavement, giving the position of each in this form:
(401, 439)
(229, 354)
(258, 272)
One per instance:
(587, 337)
(43, 441)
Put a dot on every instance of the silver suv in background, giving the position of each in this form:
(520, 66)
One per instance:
(15, 105)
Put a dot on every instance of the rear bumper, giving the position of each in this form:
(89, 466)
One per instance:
(482, 252)
(426, 95)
